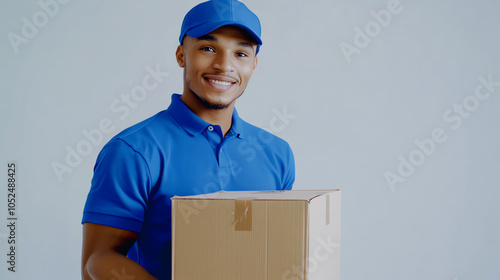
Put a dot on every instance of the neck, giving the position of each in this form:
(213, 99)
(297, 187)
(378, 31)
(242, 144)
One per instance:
(221, 117)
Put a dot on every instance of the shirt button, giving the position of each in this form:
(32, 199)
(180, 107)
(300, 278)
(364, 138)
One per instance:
(210, 128)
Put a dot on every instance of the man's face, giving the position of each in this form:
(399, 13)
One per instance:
(217, 66)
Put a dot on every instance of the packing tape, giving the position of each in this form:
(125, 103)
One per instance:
(242, 215)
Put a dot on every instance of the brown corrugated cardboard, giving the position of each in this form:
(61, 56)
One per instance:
(275, 235)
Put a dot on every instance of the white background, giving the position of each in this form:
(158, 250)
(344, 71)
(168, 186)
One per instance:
(349, 123)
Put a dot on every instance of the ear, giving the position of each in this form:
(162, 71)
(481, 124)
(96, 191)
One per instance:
(179, 55)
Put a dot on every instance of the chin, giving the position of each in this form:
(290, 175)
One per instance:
(213, 104)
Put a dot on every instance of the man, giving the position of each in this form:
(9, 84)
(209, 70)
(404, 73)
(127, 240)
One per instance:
(198, 145)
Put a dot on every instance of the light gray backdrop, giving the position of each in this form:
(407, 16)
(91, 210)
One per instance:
(394, 102)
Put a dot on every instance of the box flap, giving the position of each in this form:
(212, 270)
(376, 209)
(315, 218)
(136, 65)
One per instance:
(306, 195)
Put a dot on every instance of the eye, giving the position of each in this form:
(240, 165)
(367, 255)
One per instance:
(241, 54)
(208, 49)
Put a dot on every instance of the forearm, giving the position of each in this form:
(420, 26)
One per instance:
(113, 265)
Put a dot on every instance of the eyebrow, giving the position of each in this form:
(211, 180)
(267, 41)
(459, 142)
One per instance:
(207, 38)
(214, 39)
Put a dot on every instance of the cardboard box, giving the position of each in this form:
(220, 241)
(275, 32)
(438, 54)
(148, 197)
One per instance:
(275, 235)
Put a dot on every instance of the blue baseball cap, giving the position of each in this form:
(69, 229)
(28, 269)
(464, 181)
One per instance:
(208, 16)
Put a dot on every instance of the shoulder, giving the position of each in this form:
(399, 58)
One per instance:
(136, 150)
(265, 138)
(146, 134)
(147, 127)
(142, 140)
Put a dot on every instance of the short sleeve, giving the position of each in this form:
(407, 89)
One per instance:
(120, 188)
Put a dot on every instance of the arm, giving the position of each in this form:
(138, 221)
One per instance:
(104, 253)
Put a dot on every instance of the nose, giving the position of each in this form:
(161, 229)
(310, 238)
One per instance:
(224, 62)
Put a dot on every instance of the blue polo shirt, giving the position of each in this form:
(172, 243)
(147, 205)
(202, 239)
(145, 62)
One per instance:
(177, 153)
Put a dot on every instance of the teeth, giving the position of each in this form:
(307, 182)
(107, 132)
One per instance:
(219, 82)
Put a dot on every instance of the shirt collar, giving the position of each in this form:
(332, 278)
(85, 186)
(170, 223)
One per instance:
(195, 125)
(236, 126)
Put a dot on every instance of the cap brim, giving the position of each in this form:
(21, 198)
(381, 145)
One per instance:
(209, 27)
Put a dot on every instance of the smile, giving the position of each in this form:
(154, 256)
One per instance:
(219, 82)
